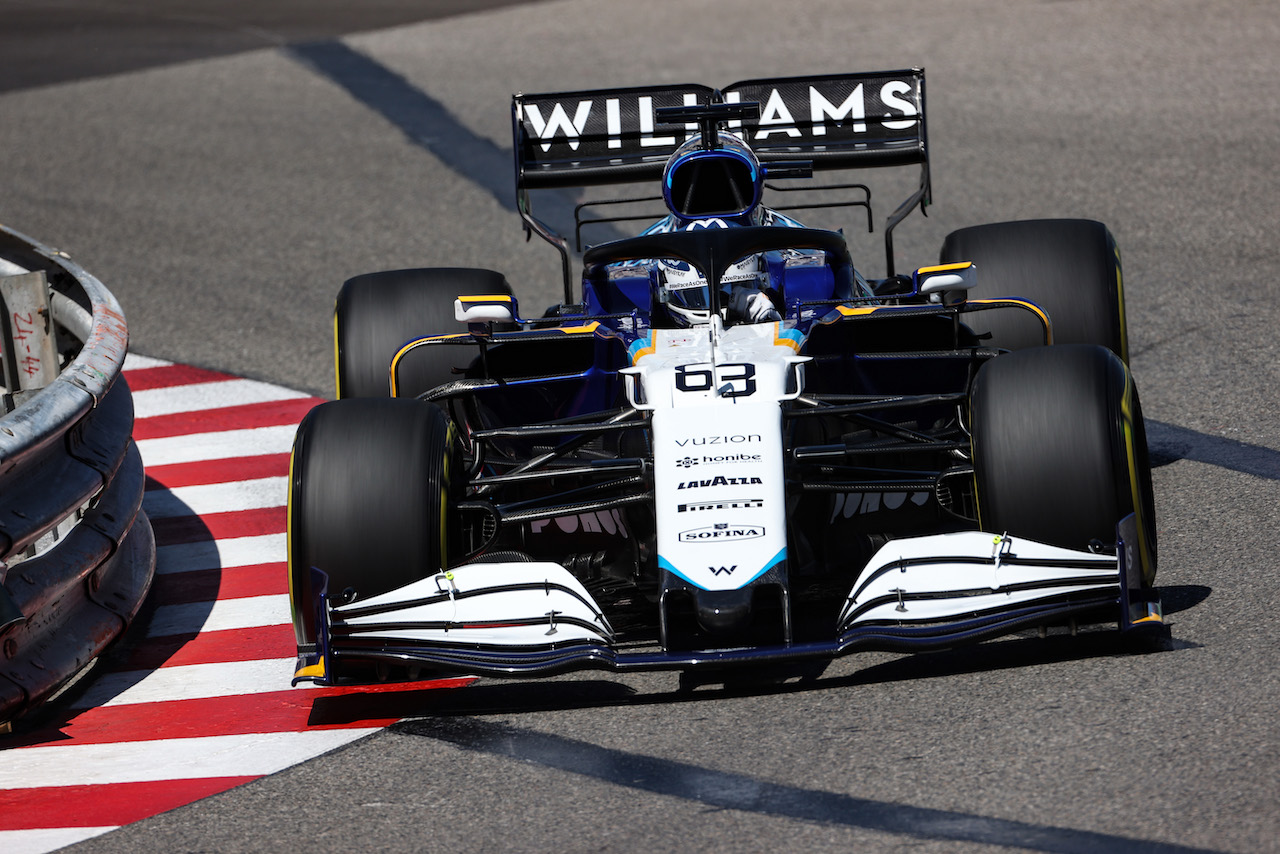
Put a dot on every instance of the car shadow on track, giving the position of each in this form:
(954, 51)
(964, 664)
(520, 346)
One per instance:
(728, 791)
(92, 39)
(1169, 443)
(432, 126)
(457, 718)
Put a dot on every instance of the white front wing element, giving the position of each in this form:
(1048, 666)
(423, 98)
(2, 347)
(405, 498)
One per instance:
(943, 576)
(516, 604)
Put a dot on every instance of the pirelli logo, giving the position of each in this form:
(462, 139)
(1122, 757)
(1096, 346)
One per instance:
(735, 504)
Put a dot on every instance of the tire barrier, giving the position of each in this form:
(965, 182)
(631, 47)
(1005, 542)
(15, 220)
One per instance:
(77, 553)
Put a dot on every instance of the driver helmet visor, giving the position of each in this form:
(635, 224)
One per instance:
(718, 182)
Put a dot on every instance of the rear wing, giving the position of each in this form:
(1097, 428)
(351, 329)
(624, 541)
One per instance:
(612, 136)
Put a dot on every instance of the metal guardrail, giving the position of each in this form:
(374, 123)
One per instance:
(77, 553)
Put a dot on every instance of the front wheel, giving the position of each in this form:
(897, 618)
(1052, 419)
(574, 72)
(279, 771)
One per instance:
(1059, 449)
(369, 493)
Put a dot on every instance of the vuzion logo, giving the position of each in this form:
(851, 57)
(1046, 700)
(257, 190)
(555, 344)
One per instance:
(719, 440)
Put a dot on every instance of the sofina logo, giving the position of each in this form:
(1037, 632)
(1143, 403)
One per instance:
(721, 532)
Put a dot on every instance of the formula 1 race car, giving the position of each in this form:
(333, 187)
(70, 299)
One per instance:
(730, 452)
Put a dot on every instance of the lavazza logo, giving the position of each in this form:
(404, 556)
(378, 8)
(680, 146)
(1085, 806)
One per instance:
(722, 532)
(720, 480)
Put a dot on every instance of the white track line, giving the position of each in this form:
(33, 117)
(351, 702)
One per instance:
(199, 447)
(186, 682)
(216, 498)
(250, 755)
(221, 554)
(200, 396)
(134, 362)
(46, 839)
(248, 613)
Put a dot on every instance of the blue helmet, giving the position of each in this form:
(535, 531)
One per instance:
(725, 181)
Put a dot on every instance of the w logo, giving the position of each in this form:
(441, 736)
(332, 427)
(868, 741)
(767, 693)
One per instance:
(722, 570)
(558, 122)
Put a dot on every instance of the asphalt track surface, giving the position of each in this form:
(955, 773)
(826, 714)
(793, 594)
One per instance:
(224, 199)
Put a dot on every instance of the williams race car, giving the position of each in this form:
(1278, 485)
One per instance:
(727, 451)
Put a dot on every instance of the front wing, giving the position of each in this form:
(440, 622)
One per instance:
(916, 593)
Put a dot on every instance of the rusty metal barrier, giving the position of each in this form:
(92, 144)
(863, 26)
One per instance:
(77, 554)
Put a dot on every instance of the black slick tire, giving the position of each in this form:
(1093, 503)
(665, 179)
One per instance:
(1068, 267)
(369, 492)
(378, 313)
(1059, 449)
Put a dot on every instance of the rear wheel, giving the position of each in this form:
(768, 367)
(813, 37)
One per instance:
(368, 499)
(1060, 454)
(1068, 267)
(378, 313)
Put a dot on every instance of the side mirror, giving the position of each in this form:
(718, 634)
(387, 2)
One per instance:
(946, 283)
(481, 312)
(498, 308)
